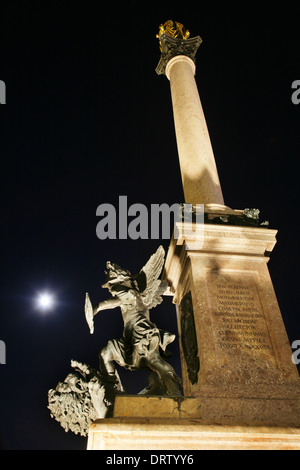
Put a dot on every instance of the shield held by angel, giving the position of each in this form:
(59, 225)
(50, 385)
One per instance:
(142, 342)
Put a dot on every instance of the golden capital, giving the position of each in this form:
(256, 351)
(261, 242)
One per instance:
(174, 40)
(173, 29)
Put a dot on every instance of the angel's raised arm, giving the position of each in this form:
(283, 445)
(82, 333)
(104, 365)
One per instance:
(107, 304)
(90, 312)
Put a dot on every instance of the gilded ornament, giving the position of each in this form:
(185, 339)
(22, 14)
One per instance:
(173, 29)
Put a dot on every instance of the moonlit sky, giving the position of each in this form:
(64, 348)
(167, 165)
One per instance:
(44, 301)
(87, 120)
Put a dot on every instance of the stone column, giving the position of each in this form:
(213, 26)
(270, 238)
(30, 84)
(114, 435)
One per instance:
(199, 173)
(235, 352)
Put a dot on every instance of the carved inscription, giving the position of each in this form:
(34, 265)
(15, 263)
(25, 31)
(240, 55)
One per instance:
(238, 315)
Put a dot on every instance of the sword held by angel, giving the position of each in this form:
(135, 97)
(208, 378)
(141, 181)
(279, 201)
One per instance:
(142, 342)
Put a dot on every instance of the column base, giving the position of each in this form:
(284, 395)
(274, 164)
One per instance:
(138, 434)
(185, 423)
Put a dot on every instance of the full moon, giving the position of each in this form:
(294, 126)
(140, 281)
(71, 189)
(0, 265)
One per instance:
(45, 301)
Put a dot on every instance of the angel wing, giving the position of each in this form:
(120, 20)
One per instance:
(151, 287)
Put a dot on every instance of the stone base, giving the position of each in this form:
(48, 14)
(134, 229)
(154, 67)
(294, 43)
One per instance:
(183, 423)
(138, 434)
(232, 337)
(280, 412)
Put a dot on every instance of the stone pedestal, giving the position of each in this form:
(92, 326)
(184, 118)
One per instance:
(235, 352)
(136, 434)
(241, 389)
(161, 423)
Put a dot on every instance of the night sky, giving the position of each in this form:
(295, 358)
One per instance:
(88, 120)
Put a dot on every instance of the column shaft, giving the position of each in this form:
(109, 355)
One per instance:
(197, 163)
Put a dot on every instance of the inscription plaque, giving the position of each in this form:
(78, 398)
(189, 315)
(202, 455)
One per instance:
(239, 323)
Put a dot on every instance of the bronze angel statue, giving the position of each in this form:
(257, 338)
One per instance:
(142, 342)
